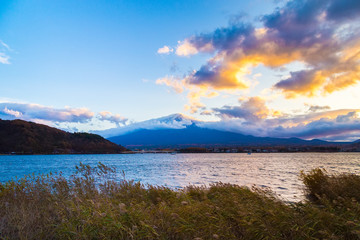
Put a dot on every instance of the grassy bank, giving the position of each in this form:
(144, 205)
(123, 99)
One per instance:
(92, 206)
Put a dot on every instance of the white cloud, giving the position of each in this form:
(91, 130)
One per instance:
(36, 112)
(165, 50)
(14, 113)
(186, 48)
(67, 118)
(5, 45)
(114, 118)
(4, 59)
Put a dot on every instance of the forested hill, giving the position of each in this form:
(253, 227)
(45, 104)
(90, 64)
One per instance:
(22, 137)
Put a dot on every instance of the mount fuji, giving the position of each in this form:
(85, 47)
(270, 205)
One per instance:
(178, 130)
(173, 121)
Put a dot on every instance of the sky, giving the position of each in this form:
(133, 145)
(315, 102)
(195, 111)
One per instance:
(261, 67)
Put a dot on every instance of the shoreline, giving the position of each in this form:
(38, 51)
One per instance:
(159, 152)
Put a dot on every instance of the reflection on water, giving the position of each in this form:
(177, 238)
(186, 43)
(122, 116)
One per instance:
(279, 171)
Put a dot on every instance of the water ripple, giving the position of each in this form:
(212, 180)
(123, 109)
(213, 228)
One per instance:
(279, 171)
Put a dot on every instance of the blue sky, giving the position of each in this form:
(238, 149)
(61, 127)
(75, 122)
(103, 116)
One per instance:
(87, 65)
(100, 55)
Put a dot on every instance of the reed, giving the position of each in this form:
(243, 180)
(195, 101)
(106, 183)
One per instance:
(93, 204)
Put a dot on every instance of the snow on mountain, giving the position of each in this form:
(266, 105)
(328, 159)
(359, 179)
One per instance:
(173, 121)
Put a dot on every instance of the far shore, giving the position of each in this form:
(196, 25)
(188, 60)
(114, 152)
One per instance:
(171, 152)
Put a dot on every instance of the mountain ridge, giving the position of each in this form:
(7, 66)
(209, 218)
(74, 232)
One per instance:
(22, 137)
(193, 135)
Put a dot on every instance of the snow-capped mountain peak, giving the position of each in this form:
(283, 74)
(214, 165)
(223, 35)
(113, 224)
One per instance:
(177, 117)
(173, 121)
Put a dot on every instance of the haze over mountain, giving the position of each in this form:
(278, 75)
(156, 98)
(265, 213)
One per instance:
(18, 136)
(178, 130)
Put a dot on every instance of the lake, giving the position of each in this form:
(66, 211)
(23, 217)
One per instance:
(278, 171)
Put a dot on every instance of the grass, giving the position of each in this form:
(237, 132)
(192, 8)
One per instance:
(91, 205)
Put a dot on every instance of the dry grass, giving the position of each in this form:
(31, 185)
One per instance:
(91, 205)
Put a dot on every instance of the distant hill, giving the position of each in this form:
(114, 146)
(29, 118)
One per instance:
(193, 135)
(353, 147)
(22, 137)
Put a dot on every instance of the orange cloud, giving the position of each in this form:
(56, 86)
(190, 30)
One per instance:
(195, 93)
(341, 72)
(324, 36)
(252, 109)
(176, 84)
(314, 33)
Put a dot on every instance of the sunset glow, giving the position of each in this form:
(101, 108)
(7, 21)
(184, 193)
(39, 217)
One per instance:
(280, 69)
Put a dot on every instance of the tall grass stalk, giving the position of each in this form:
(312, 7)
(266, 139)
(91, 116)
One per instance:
(92, 204)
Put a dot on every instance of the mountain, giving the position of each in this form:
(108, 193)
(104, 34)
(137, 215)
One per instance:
(192, 135)
(24, 137)
(174, 121)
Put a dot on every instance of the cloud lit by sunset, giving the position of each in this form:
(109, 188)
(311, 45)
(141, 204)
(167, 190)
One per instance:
(284, 68)
(323, 37)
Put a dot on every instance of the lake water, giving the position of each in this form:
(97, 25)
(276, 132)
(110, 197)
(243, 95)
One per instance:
(278, 171)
